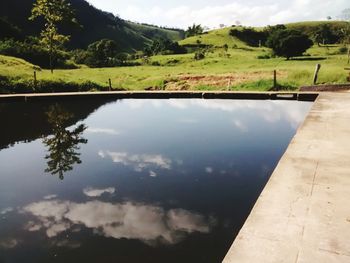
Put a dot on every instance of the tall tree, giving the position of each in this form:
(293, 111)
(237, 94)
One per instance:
(288, 43)
(325, 35)
(194, 30)
(64, 144)
(53, 12)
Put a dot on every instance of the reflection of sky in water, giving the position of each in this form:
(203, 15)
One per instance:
(159, 181)
(128, 220)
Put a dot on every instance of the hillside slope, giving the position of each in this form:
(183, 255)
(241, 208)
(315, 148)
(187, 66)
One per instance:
(220, 37)
(95, 25)
(312, 26)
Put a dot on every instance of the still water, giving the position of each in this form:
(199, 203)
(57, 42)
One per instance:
(135, 181)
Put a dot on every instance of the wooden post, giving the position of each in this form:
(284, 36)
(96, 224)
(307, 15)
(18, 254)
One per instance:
(110, 84)
(317, 70)
(275, 79)
(35, 80)
(229, 84)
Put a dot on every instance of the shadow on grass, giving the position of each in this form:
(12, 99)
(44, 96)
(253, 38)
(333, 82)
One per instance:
(308, 59)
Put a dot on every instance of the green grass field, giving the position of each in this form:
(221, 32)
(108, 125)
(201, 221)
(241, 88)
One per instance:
(239, 69)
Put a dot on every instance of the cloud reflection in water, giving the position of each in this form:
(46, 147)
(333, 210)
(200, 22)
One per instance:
(139, 162)
(148, 223)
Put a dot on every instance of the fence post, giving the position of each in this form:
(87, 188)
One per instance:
(110, 84)
(35, 80)
(275, 79)
(317, 70)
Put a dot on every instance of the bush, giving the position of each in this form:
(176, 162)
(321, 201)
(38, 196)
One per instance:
(164, 46)
(10, 85)
(250, 36)
(266, 56)
(199, 55)
(288, 43)
(342, 50)
(32, 52)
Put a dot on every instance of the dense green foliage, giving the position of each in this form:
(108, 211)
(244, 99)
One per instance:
(103, 53)
(194, 30)
(10, 85)
(311, 28)
(250, 36)
(288, 43)
(95, 25)
(33, 52)
(53, 12)
(325, 35)
(164, 46)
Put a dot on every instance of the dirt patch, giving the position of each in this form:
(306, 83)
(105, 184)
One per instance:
(186, 82)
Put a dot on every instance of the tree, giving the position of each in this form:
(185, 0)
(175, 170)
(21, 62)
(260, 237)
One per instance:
(54, 12)
(103, 53)
(288, 43)
(194, 30)
(164, 46)
(63, 145)
(325, 35)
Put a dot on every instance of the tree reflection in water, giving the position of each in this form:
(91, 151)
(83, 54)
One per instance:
(63, 144)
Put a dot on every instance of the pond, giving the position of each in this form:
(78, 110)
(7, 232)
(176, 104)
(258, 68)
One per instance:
(135, 180)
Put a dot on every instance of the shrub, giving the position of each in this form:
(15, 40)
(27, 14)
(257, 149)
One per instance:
(288, 43)
(32, 52)
(266, 56)
(343, 50)
(199, 55)
(10, 85)
(250, 36)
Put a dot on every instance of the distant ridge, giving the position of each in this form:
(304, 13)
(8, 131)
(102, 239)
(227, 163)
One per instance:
(96, 25)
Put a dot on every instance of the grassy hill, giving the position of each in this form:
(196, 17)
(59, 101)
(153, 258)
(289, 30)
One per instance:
(220, 37)
(95, 25)
(216, 38)
(240, 68)
(311, 27)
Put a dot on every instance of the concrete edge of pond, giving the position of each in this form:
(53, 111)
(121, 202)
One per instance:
(303, 214)
(302, 96)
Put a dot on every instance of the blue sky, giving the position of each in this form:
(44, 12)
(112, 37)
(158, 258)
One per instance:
(182, 13)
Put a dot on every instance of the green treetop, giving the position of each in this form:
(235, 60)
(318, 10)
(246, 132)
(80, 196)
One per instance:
(53, 12)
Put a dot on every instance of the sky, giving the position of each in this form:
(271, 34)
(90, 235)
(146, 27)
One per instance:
(210, 13)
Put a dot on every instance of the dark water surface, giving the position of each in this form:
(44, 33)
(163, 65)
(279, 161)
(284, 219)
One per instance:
(135, 180)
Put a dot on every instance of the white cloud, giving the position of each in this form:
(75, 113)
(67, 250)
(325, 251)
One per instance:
(6, 211)
(212, 14)
(103, 131)
(240, 125)
(9, 243)
(209, 170)
(147, 223)
(153, 174)
(270, 111)
(94, 192)
(139, 162)
(50, 197)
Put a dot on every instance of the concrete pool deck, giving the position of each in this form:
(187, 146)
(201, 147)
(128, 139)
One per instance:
(303, 214)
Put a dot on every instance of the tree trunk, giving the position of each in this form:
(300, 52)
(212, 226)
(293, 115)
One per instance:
(348, 53)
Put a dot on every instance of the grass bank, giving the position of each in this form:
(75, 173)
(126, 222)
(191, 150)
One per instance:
(240, 68)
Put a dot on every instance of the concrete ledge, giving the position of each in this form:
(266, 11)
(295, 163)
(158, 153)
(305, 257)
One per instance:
(303, 214)
(307, 96)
